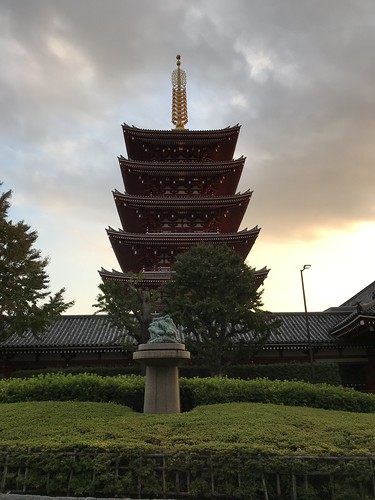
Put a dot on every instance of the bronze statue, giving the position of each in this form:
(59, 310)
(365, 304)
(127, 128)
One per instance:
(163, 330)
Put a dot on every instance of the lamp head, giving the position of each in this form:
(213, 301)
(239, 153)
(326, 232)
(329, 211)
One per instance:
(306, 266)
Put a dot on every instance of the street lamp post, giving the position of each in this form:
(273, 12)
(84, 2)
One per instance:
(311, 358)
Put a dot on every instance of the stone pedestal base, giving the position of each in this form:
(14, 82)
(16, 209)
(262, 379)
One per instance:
(162, 391)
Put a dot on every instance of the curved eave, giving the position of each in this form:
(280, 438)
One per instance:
(354, 325)
(156, 239)
(180, 168)
(130, 248)
(261, 275)
(138, 177)
(143, 278)
(181, 202)
(152, 278)
(151, 144)
(178, 134)
(135, 211)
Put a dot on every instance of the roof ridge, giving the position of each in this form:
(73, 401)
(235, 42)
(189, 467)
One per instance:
(363, 291)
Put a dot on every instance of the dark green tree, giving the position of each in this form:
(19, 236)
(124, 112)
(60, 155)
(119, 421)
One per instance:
(26, 304)
(128, 305)
(213, 295)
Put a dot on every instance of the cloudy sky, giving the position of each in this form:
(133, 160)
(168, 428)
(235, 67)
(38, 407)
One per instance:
(299, 76)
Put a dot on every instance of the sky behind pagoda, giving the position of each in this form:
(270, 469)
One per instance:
(298, 76)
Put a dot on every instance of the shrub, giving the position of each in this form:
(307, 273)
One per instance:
(327, 373)
(200, 475)
(196, 392)
(191, 371)
(323, 372)
(129, 391)
(104, 371)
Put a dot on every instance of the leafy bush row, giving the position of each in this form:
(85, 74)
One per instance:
(103, 371)
(327, 373)
(196, 392)
(240, 476)
(129, 390)
(322, 373)
(199, 476)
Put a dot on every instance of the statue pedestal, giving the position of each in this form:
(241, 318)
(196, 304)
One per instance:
(162, 390)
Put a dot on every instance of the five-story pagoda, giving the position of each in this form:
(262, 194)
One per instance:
(180, 190)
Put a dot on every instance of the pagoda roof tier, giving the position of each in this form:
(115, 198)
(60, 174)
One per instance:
(154, 279)
(131, 249)
(137, 213)
(175, 144)
(150, 279)
(136, 173)
(180, 168)
(261, 275)
(181, 202)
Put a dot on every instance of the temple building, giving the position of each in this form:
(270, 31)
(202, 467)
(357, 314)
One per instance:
(180, 189)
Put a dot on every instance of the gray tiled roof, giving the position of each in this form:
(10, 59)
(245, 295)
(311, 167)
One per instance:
(293, 327)
(96, 332)
(72, 331)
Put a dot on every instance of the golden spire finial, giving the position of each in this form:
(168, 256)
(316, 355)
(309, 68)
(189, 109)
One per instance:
(179, 100)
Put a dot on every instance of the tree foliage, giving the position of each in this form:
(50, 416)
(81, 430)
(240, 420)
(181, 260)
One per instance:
(128, 305)
(213, 294)
(26, 304)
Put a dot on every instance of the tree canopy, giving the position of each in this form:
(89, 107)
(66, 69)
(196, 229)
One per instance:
(26, 304)
(213, 295)
(128, 305)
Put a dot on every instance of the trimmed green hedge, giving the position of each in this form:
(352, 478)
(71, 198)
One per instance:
(129, 391)
(323, 373)
(200, 476)
(103, 371)
(196, 392)
(126, 390)
(111, 371)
